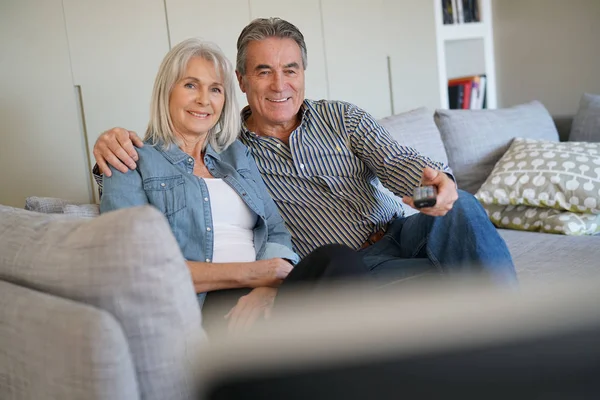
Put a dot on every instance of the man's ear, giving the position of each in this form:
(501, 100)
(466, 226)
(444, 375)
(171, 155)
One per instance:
(240, 79)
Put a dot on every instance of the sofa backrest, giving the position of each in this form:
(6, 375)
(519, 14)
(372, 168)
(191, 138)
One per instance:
(125, 262)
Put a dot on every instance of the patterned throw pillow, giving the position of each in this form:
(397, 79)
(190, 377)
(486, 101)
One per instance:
(526, 218)
(559, 175)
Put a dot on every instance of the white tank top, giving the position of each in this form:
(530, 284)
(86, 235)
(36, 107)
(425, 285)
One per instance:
(233, 224)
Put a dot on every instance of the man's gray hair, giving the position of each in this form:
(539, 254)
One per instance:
(160, 128)
(263, 28)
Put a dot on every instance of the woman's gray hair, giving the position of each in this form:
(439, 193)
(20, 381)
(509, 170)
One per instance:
(160, 128)
(263, 28)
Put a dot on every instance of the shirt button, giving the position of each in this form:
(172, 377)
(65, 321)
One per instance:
(206, 199)
(208, 260)
(208, 228)
(279, 145)
(190, 160)
(301, 166)
(163, 184)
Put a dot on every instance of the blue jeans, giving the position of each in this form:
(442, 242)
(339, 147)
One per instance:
(463, 242)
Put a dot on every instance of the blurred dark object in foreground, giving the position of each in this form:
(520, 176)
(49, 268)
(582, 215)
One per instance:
(459, 343)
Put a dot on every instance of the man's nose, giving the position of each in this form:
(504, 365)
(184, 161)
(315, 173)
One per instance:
(277, 83)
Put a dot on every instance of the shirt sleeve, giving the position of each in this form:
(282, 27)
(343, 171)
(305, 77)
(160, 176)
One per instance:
(98, 178)
(279, 240)
(398, 167)
(122, 190)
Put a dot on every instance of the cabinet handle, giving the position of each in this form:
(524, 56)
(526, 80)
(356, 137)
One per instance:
(390, 86)
(88, 158)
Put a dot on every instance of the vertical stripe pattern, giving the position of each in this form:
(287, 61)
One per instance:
(326, 183)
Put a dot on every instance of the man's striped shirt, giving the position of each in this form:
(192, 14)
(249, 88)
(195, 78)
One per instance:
(326, 183)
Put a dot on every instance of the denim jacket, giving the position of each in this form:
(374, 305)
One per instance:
(165, 179)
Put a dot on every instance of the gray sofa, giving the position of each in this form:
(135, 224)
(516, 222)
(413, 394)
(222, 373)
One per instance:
(104, 307)
(471, 142)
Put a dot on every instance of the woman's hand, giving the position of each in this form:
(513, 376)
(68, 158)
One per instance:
(216, 276)
(269, 272)
(251, 307)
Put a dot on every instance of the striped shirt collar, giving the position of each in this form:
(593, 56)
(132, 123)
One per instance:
(246, 112)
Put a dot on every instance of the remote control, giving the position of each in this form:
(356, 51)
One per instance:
(424, 196)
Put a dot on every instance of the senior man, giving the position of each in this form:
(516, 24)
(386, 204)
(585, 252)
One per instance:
(321, 162)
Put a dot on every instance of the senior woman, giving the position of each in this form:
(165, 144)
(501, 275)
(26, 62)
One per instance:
(207, 185)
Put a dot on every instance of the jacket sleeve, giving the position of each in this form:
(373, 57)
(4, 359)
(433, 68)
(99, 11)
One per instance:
(122, 190)
(398, 167)
(279, 240)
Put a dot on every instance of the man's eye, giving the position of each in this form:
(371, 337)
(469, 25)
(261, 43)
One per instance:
(290, 72)
(263, 73)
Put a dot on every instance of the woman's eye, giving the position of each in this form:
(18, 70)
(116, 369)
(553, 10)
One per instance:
(217, 90)
(189, 85)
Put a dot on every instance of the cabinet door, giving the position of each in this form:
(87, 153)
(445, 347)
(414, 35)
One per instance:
(355, 52)
(306, 16)
(116, 49)
(219, 22)
(42, 151)
(411, 44)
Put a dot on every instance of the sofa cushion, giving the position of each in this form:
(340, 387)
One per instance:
(536, 219)
(82, 210)
(126, 262)
(586, 124)
(540, 257)
(417, 129)
(55, 348)
(559, 175)
(476, 139)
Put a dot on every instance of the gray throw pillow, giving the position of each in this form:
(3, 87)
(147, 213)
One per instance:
(47, 205)
(126, 262)
(417, 129)
(476, 139)
(586, 124)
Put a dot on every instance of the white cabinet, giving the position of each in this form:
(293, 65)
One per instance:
(306, 16)
(217, 21)
(411, 46)
(116, 49)
(356, 54)
(42, 151)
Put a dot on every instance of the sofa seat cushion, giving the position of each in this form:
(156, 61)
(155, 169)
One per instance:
(586, 124)
(126, 262)
(476, 139)
(55, 348)
(540, 257)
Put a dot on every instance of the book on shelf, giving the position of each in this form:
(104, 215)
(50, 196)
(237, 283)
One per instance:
(467, 93)
(460, 11)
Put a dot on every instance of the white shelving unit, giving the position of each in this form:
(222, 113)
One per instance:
(447, 36)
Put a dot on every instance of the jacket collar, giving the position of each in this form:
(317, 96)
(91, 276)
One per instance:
(176, 156)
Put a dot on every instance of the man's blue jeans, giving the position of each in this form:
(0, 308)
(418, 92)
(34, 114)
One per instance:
(463, 242)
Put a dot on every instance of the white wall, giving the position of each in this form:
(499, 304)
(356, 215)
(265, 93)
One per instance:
(547, 50)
